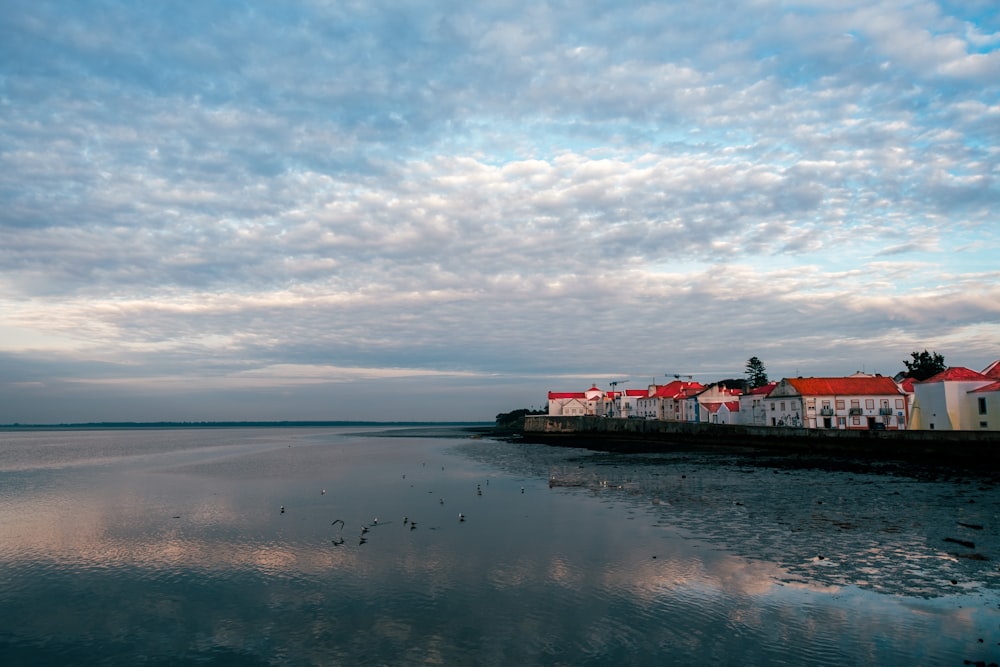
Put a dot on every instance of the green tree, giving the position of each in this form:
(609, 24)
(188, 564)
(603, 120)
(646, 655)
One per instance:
(756, 373)
(924, 365)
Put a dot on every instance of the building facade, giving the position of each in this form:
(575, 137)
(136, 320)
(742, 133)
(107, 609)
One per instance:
(856, 402)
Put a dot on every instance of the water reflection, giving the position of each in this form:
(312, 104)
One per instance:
(179, 552)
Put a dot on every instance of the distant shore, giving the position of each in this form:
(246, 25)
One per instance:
(232, 424)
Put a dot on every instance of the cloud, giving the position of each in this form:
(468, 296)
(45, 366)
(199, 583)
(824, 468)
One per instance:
(479, 191)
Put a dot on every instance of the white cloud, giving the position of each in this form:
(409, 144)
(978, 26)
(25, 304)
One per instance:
(277, 194)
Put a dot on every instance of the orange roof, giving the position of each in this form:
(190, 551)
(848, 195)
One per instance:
(763, 389)
(988, 388)
(849, 386)
(957, 374)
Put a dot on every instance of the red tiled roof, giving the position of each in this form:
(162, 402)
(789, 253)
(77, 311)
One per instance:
(677, 389)
(849, 386)
(993, 370)
(988, 388)
(957, 374)
(733, 406)
(764, 389)
(567, 394)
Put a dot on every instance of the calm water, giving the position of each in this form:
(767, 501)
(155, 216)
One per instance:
(171, 547)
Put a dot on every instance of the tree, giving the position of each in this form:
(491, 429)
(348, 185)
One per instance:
(924, 365)
(756, 373)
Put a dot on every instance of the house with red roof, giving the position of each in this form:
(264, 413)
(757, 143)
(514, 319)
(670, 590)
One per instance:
(624, 404)
(666, 402)
(704, 406)
(858, 402)
(958, 399)
(577, 403)
(727, 412)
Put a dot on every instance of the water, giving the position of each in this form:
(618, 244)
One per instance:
(170, 547)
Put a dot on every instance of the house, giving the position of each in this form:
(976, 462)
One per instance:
(577, 403)
(958, 399)
(727, 412)
(624, 404)
(858, 401)
(704, 405)
(752, 409)
(665, 402)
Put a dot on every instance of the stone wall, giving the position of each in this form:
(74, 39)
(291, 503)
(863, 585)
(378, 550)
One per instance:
(618, 434)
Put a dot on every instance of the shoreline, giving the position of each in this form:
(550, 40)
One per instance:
(942, 449)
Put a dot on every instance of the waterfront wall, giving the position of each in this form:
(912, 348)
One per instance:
(650, 435)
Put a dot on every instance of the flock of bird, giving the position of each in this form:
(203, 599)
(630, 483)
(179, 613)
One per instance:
(408, 523)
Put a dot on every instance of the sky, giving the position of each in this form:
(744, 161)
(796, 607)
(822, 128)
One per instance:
(440, 211)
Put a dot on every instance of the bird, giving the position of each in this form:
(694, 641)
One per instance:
(461, 517)
(282, 509)
(323, 492)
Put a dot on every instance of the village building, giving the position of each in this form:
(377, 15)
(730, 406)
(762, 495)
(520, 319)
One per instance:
(666, 402)
(958, 399)
(722, 413)
(704, 406)
(955, 399)
(625, 404)
(577, 403)
(752, 409)
(856, 402)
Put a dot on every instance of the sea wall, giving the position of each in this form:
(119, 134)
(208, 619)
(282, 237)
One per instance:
(650, 435)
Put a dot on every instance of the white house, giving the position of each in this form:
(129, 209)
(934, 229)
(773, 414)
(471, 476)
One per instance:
(856, 402)
(727, 412)
(958, 399)
(707, 402)
(752, 409)
(576, 403)
(666, 402)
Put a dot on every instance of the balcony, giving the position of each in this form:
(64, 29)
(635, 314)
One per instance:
(855, 412)
(885, 411)
(826, 412)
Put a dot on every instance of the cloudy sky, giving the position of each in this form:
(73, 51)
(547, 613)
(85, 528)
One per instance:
(441, 210)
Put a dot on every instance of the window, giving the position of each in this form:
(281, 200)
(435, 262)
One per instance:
(772, 407)
(856, 421)
(982, 407)
(840, 404)
(856, 403)
(983, 424)
(870, 403)
(783, 406)
(899, 404)
(841, 422)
